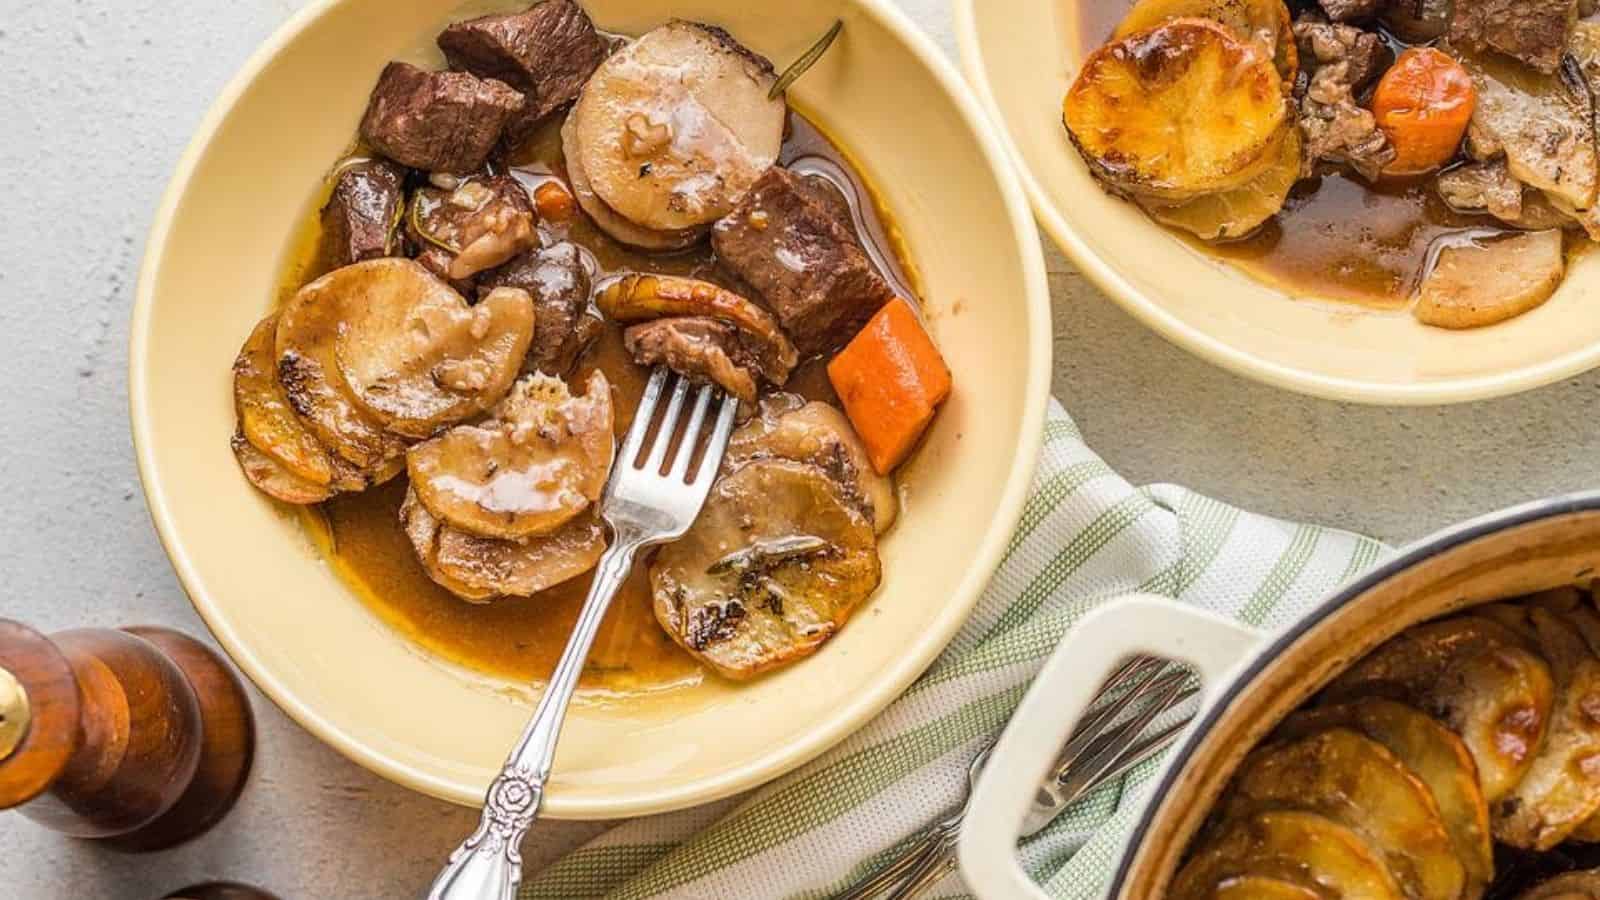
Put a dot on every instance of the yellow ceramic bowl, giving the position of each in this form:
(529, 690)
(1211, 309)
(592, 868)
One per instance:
(1021, 56)
(215, 252)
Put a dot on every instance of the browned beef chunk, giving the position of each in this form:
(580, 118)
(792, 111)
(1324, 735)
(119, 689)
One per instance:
(786, 239)
(482, 222)
(437, 121)
(1342, 59)
(362, 216)
(1533, 31)
(547, 52)
(559, 283)
(702, 348)
(1353, 10)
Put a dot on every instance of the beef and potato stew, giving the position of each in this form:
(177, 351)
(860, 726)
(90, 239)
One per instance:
(515, 241)
(1460, 759)
(1412, 155)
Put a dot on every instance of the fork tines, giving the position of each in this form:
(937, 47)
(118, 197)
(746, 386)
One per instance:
(672, 445)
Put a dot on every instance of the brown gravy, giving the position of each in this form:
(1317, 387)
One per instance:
(1337, 237)
(520, 639)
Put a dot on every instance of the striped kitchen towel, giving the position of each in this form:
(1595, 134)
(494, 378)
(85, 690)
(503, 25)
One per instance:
(1086, 536)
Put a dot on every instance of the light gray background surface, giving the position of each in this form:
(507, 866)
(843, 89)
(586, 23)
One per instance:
(99, 98)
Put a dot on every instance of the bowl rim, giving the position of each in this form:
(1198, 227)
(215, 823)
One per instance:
(845, 721)
(1197, 341)
(1245, 676)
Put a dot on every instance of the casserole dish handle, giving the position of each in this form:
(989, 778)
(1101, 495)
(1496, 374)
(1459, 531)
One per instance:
(1131, 626)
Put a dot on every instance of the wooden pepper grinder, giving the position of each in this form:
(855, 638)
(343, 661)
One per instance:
(138, 738)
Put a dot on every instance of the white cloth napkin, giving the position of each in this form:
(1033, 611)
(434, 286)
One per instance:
(1086, 536)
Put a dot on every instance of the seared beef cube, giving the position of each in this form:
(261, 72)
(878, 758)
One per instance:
(1342, 59)
(547, 52)
(787, 241)
(362, 216)
(563, 325)
(1352, 10)
(437, 121)
(696, 347)
(483, 222)
(1533, 31)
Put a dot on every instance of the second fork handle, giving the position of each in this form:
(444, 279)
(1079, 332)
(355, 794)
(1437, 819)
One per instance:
(488, 865)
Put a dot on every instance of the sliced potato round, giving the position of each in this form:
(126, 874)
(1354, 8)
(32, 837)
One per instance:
(1473, 283)
(415, 356)
(1354, 781)
(521, 568)
(1265, 22)
(1570, 886)
(1474, 675)
(1434, 754)
(477, 569)
(1561, 789)
(265, 417)
(539, 462)
(608, 219)
(1304, 849)
(672, 130)
(1235, 214)
(1184, 109)
(312, 330)
(776, 563)
(423, 531)
(639, 297)
(273, 479)
(787, 427)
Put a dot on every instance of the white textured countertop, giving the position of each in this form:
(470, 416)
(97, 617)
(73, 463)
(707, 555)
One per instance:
(100, 97)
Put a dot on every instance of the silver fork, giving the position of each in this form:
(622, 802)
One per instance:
(643, 508)
(1106, 744)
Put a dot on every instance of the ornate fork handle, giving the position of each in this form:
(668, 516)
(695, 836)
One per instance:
(488, 864)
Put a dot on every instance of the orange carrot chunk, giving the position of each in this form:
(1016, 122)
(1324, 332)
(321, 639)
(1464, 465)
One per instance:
(553, 201)
(890, 379)
(1423, 103)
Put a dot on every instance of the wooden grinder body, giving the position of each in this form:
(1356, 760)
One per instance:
(140, 738)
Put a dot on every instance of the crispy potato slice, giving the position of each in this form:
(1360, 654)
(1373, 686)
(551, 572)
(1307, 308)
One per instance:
(273, 479)
(1184, 109)
(672, 130)
(1434, 754)
(1265, 22)
(1561, 789)
(1303, 849)
(417, 358)
(423, 530)
(776, 563)
(1570, 886)
(265, 417)
(384, 346)
(521, 568)
(788, 427)
(1479, 678)
(306, 349)
(1354, 781)
(638, 297)
(478, 569)
(1235, 214)
(539, 462)
(1480, 283)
